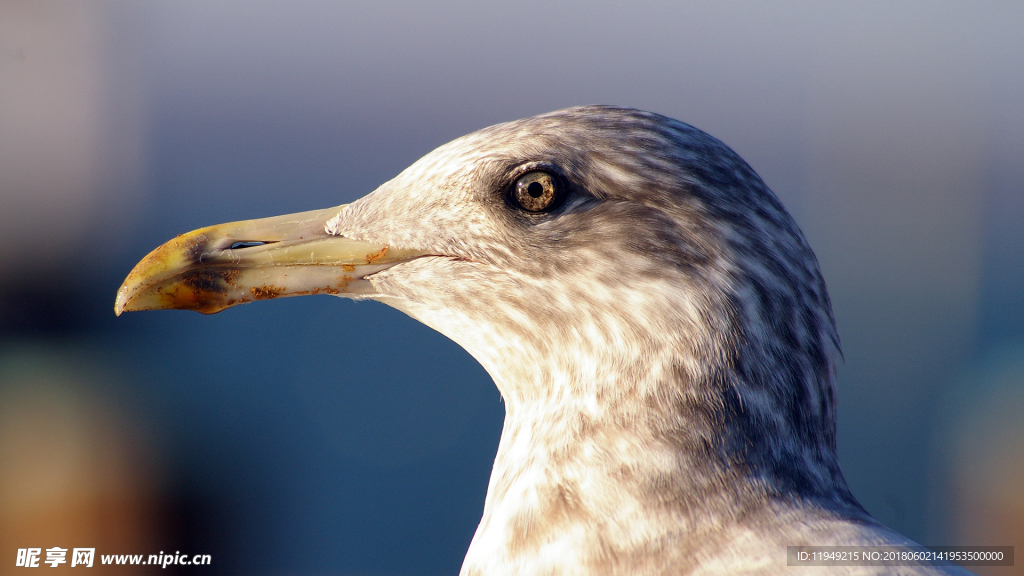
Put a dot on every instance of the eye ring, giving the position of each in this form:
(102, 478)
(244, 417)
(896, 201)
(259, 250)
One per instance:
(536, 191)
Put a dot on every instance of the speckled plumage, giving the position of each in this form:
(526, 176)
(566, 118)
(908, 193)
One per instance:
(663, 341)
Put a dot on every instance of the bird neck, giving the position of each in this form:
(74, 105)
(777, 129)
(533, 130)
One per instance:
(587, 467)
(578, 470)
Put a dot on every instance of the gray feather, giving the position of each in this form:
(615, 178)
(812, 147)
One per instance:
(663, 340)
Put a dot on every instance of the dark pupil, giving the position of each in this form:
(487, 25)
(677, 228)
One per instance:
(535, 189)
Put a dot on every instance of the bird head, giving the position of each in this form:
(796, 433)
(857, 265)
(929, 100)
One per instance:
(597, 253)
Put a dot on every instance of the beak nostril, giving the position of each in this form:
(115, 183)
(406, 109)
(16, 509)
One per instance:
(241, 245)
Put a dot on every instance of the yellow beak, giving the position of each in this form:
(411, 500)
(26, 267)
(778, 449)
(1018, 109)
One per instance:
(216, 267)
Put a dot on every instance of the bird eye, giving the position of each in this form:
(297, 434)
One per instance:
(535, 191)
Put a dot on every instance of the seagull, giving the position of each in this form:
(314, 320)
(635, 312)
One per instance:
(654, 319)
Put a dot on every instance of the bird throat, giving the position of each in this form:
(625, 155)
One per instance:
(583, 475)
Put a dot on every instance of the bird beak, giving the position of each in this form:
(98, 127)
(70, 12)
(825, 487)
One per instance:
(214, 268)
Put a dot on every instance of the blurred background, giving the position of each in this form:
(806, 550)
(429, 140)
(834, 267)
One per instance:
(287, 438)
